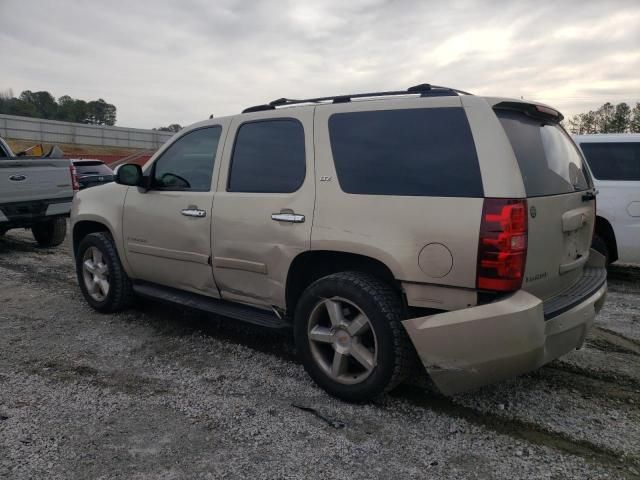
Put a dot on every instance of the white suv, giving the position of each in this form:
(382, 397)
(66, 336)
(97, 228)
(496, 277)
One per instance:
(614, 160)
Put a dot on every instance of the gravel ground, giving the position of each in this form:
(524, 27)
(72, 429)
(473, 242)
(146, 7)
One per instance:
(162, 393)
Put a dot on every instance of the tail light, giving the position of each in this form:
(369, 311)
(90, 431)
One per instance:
(502, 248)
(74, 178)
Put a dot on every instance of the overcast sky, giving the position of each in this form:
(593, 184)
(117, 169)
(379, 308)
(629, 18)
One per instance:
(177, 62)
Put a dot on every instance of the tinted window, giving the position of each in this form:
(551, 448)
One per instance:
(188, 163)
(549, 161)
(406, 152)
(613, 161)
(268, 157)
(92, 168)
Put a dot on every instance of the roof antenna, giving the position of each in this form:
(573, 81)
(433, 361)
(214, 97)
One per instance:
(210, 116)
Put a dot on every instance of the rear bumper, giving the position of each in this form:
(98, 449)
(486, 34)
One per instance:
(26, 214)
(468, 348)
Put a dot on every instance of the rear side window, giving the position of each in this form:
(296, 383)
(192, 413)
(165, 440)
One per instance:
(549, 161)
(188, 163)
(413, 152)
(613, 161)
(268, 157)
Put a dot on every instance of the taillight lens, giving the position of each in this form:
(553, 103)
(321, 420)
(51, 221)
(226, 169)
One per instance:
(74, 178)
(502, 249)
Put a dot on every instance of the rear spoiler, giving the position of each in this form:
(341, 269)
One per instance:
(539, 112)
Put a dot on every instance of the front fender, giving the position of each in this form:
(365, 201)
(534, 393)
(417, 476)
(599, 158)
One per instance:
(103, 205)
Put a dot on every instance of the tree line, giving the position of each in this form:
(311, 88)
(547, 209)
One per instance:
(609, 118)
(44, 105)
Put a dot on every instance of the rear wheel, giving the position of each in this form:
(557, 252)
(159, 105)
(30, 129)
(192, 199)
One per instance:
(601, 246)
(349, 337)
(50, 233)
(103, 281)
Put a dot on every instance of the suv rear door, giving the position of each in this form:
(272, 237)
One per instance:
(560, 199)
(263, 210)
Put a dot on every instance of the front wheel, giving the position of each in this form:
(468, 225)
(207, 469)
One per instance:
(104, 283)
(349, 336)
(50, 233)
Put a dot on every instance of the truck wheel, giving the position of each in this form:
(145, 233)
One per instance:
(600, 246)
(50, 233)
(103, 281)
(349, 336)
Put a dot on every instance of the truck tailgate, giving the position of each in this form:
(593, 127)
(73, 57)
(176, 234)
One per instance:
(23, 180)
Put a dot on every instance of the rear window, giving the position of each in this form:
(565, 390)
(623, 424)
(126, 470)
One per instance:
(549, 161)
(97, 168)
(613, 161)
(413, 152)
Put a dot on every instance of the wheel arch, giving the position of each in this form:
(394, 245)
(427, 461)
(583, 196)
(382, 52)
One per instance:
(85, 227)
(312, 265)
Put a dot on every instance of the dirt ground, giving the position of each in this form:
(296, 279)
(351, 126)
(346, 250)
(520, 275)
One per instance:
(162, 393)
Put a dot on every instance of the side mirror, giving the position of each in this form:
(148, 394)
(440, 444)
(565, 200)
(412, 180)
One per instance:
(129, 174)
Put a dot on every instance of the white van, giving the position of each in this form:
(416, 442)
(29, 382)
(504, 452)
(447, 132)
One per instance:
(614, 160)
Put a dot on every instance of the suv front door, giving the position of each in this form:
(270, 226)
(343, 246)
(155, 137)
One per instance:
(262, 213)
(167, 229)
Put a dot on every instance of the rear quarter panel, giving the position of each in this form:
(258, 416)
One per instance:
(393, 229)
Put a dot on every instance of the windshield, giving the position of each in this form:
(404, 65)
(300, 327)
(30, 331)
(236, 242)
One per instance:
(549, 161)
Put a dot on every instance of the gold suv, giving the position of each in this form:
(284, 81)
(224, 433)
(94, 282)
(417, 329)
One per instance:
(384, 228)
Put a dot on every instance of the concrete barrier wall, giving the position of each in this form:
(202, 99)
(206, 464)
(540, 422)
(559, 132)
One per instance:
(52, 131)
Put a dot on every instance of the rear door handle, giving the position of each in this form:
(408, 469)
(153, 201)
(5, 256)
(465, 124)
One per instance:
(287, 217)
(194, 212)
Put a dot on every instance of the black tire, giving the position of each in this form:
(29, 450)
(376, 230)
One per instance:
(383, 307)
(599, 245)
(50, 233)
(120, 294)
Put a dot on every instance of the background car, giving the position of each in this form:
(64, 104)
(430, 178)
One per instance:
(91, 173)
(614, 160)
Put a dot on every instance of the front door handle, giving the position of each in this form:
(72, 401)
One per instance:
(287, 217)
(194, 212)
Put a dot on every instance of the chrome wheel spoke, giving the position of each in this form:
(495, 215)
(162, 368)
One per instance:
(89, 266)
(321, 334)
(334, 309)
(363, 356)
(339, 364)
(92, 286)
(103, 285)
(358, 326)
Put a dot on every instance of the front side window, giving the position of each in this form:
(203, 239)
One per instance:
(411, 152)
(613, 161)
(188, 163)
(268, 157)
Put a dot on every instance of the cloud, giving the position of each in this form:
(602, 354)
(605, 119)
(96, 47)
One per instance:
(164, 62)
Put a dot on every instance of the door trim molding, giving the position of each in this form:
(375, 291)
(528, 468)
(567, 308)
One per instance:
(238, 264)
(168, 253)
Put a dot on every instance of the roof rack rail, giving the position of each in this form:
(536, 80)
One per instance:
(424, 90)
